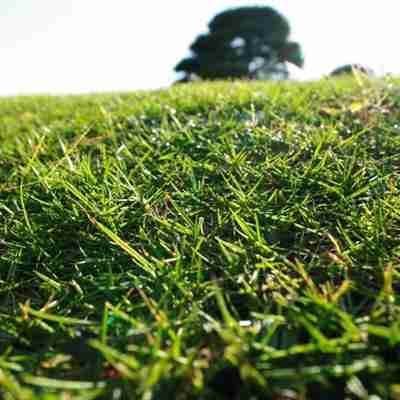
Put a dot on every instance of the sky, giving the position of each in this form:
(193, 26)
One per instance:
(86, 46)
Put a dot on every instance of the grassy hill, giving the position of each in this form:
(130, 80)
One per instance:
(211, 241)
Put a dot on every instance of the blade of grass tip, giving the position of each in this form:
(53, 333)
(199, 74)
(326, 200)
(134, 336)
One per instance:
(337, 246)
(158, 315)
(37, 148)
(59, 383)
(124, 363)
(26, 217)
(341, 291)
(66, 156)
(135, 323)
(70, 150)
(388, 281)
(353, 138)
(246, 230)
(387, 290)
(80, 196)
(258, 230)
(49, 281)
(299, 267)
(104, 324)
(27, 310)
(226, 315)
(139, 260)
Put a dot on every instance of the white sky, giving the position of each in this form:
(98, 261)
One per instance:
(75, 46)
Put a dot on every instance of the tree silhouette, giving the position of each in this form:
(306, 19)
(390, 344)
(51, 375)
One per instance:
(244, 42)
(351, 69)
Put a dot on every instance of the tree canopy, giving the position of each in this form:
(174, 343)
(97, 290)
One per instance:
(351, 69)
(244, 42)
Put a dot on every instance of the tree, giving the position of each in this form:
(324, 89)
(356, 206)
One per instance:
(350, 69)
(244, 42)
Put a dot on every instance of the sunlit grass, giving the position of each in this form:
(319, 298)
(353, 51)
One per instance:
(226, 240)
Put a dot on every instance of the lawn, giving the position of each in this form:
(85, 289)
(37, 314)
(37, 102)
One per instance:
(228, 240)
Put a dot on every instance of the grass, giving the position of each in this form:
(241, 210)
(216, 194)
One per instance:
(211, 241)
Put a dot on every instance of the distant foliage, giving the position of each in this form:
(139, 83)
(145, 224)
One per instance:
(351, 69)
(245, 42)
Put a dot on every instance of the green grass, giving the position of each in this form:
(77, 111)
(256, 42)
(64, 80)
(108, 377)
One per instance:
(211, 241)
